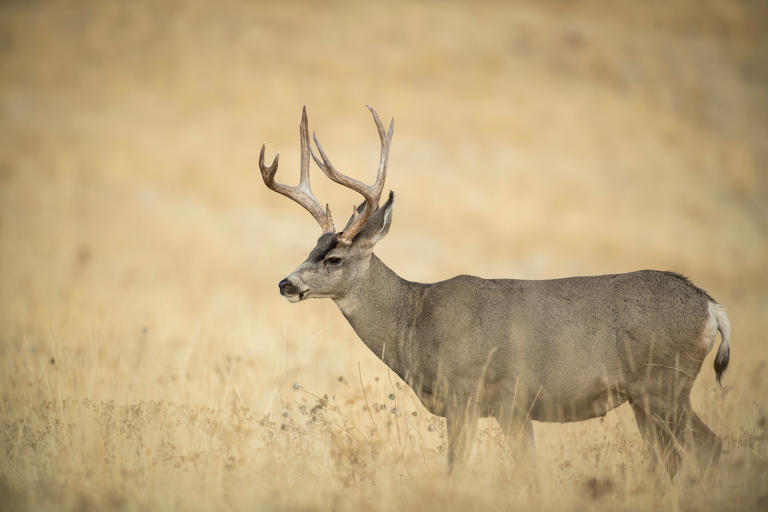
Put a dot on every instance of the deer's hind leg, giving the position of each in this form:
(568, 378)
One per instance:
(660, 402)
(658, 434)
(668, 423)
(706, 444)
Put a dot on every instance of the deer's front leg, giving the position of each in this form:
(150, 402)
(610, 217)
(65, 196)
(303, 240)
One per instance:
(518, 431)
(462, 425)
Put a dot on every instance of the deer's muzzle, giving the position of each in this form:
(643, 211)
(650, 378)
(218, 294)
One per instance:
(290, 290)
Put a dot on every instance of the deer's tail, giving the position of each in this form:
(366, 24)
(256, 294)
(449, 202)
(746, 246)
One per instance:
(724, 351)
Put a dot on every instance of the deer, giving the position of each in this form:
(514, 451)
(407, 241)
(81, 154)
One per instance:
(555, 350)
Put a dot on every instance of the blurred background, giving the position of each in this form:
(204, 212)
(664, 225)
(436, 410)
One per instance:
(140, 251)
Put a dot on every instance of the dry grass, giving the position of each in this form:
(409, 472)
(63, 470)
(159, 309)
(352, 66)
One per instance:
(147, 361)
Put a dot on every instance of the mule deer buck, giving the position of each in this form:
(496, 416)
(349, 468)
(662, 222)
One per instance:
(556, 350)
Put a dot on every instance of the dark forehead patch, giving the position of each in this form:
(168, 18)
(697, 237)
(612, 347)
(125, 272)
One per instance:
(324, 245)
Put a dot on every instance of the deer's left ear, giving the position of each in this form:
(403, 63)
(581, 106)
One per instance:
(377, 226)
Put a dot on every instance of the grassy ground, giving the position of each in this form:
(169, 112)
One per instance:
(146, 359)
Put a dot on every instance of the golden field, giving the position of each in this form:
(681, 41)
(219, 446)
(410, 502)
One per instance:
(147, 360)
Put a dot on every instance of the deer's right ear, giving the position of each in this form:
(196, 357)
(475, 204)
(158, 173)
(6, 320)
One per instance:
(377, 226)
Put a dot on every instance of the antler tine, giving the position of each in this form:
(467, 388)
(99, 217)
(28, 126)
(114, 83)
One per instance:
(304, 138)
(371, 193)
(302, 193)
(386, 140)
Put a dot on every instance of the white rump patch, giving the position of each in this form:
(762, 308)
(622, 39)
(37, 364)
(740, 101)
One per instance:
(709, 333)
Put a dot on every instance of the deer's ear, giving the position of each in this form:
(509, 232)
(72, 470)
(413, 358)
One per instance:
(377, 226)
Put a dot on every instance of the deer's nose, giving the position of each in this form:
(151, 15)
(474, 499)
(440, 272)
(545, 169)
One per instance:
(287, 287)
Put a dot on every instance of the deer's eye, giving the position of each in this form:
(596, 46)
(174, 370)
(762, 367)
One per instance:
(333, 261)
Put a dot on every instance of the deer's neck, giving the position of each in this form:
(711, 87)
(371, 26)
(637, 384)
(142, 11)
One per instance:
(381, 308)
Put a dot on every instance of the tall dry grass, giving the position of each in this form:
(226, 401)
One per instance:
(147, 361)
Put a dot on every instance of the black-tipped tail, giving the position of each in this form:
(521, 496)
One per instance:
(724, 351)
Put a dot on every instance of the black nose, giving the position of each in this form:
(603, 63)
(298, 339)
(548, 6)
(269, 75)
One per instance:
(287, 287)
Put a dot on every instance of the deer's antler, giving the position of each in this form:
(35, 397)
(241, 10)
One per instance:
(371, 193)
(302, 193)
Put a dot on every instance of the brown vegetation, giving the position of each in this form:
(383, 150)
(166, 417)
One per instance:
(146, 359)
